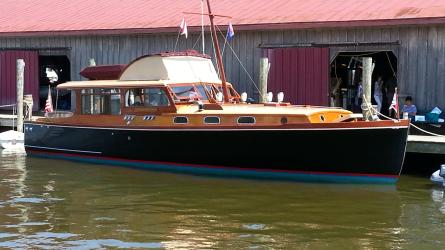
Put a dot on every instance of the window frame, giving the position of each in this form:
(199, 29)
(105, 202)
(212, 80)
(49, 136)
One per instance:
(179, 99)
(204, 120)
(143, 93)
(91, 93)
(250, 123)
(180, 116)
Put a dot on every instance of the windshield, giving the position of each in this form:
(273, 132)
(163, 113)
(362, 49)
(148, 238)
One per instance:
(189, 93)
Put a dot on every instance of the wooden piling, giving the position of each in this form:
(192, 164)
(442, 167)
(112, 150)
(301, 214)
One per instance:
(264, 73)
(367, 83)
(20, 83)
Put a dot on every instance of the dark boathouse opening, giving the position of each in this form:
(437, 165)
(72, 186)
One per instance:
(54, 70)
(346, 77)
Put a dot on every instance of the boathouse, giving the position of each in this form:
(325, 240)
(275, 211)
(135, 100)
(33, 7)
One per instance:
(310, 44)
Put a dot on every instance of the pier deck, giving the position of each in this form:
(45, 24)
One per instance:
(426, 144)
(8, 120)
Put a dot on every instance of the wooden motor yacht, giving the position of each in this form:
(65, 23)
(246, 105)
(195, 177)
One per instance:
(173, 112)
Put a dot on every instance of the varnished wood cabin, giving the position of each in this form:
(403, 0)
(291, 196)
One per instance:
(179, 89)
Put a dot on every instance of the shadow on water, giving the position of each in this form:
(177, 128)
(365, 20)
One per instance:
(422, 164)
(60, 204)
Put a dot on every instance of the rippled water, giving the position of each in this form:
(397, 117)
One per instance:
(53, 204)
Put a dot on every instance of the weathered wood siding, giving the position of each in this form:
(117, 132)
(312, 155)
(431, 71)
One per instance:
(421, 53)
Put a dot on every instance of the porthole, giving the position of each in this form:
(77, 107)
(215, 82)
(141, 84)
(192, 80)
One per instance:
(212, 120)
(283, 120)
(322, 118)
(246, 120)
(180, 120)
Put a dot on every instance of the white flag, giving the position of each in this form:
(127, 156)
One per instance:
(183, 27)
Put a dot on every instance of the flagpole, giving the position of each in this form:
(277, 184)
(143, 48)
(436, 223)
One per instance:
(397, 104)
(182, 31)
(202, 26)
(177, 39)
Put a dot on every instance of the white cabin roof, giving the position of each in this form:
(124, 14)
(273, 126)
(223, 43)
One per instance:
(171, 68)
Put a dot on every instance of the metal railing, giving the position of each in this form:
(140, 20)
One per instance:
(14, 109)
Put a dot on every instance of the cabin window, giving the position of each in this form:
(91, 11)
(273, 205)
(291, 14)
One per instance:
(246, 120)
(180, 120)
(186, 93)
(101, 101)
(212, 120)
(211, 90)
(148, 97)
(202, 92)
(231, 91)
(183, 91)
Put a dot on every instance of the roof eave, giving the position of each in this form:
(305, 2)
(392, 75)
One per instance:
(239, 27)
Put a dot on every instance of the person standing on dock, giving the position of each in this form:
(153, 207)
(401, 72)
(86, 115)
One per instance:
(378, 94)
(390, 87)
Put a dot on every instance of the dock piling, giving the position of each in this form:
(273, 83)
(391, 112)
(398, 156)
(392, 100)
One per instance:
(367, 83)
(20, 83)
(264, 73)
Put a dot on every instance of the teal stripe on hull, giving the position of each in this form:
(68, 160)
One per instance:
(226, 172)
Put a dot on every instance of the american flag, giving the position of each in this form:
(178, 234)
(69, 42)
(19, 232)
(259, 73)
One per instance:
(49, 102)
(395, 103)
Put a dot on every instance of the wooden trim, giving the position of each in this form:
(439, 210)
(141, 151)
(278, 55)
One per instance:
(304, 125)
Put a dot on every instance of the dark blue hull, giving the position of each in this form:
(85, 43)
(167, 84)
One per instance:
(328, 155)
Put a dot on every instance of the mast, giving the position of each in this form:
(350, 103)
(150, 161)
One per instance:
(218, 55)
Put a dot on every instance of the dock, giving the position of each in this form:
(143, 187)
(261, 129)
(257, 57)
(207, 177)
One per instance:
(8, 120)
(426, 144)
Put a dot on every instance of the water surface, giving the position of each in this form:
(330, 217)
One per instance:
(53, 204)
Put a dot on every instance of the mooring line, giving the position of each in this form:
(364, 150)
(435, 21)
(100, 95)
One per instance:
(389, 118)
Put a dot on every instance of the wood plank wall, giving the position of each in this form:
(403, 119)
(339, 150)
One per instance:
(421, 54)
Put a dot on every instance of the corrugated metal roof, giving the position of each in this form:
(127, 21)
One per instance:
(119, 16)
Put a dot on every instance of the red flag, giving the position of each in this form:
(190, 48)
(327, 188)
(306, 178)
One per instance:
(183, 28)
(49, 102)
(395, 103)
